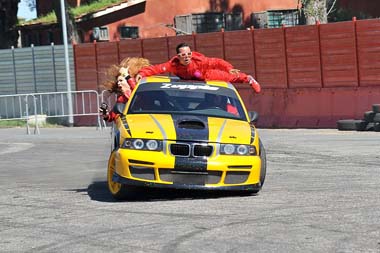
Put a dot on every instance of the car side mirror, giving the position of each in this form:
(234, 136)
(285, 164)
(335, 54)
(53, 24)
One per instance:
(253, 116)
(119, 108)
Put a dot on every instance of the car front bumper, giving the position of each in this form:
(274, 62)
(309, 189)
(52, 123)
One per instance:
(133, 182)
(158, 170)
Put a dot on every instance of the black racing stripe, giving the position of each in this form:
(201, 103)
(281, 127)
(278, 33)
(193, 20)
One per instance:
(125, 123)
(190, 164)
(188, 130)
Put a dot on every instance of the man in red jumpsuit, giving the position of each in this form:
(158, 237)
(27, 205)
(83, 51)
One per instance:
(195, 66)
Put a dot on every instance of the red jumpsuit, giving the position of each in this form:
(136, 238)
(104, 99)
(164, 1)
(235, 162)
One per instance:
(112, 115)
(200, 68)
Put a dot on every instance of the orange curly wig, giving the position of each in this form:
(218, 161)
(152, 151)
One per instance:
(133, 63)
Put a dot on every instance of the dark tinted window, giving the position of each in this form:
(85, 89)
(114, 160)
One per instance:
(186, 98)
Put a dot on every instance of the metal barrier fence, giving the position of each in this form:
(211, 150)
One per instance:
(107, 97)
(37, 107)
(35, 69)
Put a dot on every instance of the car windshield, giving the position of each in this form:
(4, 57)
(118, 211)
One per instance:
(186, 98)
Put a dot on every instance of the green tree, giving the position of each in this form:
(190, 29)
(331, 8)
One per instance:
(31, 4)
(314, 10)
(72, 29)
(8, 23)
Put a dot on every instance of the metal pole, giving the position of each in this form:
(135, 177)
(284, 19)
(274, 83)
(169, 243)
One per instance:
(14, 69)
(69, 98)
(53, 65)
(34, 69)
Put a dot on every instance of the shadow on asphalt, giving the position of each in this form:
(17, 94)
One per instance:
(98, 191)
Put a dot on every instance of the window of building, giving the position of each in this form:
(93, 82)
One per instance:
(129, 32)
(283, 17)
(233, 21)
(100, 33)
(50, 36)
(208, 22)
(33, 38)
(28, 40)
(275, 18)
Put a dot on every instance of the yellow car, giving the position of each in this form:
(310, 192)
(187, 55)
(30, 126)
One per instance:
(182, 134)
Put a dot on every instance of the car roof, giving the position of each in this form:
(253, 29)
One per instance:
(177, 80)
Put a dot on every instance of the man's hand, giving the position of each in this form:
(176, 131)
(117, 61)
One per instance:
(138, 78)
(234, 71)
(254, 84)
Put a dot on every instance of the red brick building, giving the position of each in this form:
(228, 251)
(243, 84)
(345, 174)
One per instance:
(130, 19)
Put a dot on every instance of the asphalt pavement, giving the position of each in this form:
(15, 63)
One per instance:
(321, 194)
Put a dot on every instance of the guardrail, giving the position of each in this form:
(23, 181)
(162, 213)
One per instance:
(107, 97)
(17, 107)
(34, 106)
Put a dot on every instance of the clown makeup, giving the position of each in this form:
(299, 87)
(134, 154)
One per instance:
(184, 55)
(123, 85)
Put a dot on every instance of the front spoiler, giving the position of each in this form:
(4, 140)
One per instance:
(122, 180)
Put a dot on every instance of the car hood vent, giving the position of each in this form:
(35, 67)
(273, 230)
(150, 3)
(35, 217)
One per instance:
(191, 124)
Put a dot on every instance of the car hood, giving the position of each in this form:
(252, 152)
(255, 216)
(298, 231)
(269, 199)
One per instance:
(188, 128)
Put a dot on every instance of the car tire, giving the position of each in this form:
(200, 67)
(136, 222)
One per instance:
(361, 125)
(368, 116)
(376, 108)
(347, 124)
(377, 118)
(263, 169)
(117, 190)
(370, 126)
(376, 127)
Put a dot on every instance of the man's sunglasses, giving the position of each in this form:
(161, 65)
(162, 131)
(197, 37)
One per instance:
(185, 54)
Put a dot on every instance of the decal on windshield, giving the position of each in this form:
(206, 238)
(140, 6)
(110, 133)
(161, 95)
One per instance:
(187, 87)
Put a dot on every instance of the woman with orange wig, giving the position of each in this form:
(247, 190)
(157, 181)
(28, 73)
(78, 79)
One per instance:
(121, 80)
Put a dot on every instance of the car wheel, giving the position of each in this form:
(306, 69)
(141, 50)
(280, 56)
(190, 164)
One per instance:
(368, 116)
(117, 190)
(376, 108)
(376, 127)
(376, 118)
(347, 124)
(263, 170)
(361, 125)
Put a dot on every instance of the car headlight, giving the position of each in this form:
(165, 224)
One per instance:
(228, 149)
(152, 144)
(242, 150)
(138, 144)
(237, 149)
(143, 144)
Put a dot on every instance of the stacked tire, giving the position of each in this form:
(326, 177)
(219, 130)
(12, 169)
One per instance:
(370, 121)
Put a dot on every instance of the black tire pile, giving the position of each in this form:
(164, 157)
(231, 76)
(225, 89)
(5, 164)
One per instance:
(370, 121)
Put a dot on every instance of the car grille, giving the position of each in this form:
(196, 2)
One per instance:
(193, 149)
(180, 149)
(142, 172)
(187, 177)
(190, 178)
(202, 150)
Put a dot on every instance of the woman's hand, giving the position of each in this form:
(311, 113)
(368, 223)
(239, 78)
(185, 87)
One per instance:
(124, 71)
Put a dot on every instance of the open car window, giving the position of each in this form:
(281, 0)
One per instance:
(199, 99)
